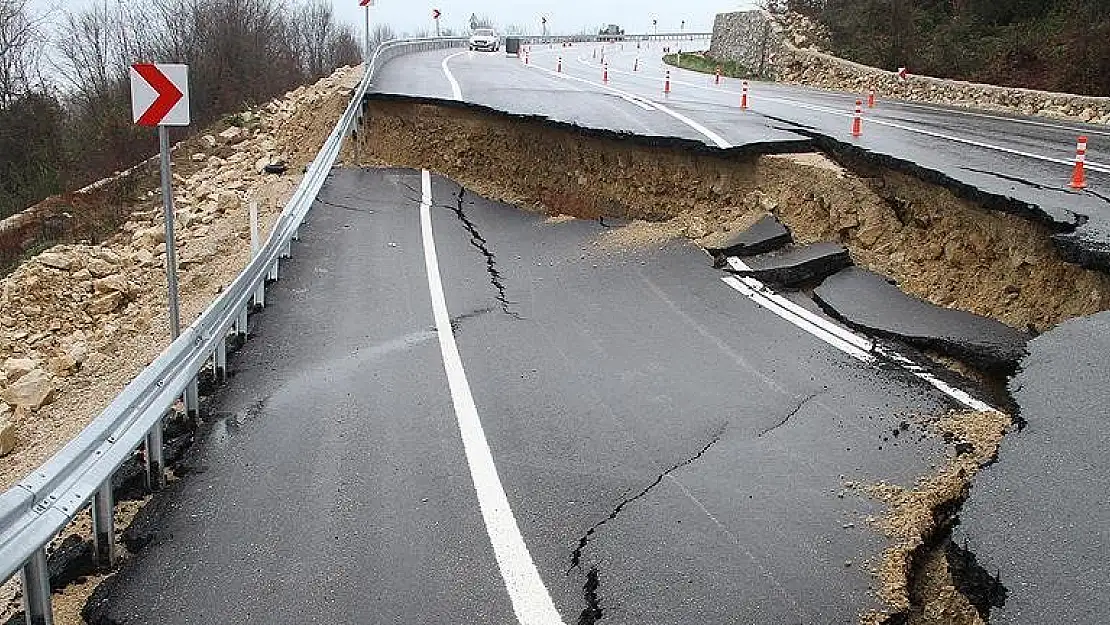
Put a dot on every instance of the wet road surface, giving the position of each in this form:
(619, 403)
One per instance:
(659, 438)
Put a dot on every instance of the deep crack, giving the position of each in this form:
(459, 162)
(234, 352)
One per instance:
(576, 555)
(479, 242)
(592, 612)
(790, 415)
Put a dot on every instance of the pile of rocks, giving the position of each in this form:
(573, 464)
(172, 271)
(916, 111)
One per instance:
(66, 313)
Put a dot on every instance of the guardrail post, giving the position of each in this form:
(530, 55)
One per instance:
(155, 460)
(37, 609)
(256, 243)
(241, 323)
(219, 360)
(103, 526)
(192, 399)
(273, 275)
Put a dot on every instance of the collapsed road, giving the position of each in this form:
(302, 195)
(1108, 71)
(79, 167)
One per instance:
(662, 447)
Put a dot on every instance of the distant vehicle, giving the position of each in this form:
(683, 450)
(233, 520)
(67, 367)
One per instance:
(485, 39)
(611, 32)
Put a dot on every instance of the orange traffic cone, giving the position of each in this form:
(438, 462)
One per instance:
(871, 98)
(857, 121)
(718, 75)
(744, 97)
(1079, 176)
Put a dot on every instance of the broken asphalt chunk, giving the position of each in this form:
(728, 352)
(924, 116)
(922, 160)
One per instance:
(795, 266)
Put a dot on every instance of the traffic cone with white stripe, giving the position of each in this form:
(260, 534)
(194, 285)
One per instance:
(744, 97)
(718, 79)
(857, 121)
(667, 83)
(1079, 175)
(871, 98)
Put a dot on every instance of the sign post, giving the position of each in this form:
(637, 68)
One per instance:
(160, 97)
(366, 4)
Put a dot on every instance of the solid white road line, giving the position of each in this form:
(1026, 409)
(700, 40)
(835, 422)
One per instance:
(456, 92)
(717, 139)
(859, 347)
(531, 601)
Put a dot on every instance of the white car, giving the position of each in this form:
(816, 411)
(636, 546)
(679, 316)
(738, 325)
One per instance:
(485, 39)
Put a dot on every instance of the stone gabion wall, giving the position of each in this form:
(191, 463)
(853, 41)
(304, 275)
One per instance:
(750, 38)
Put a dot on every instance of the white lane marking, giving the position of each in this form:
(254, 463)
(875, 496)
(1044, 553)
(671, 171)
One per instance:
(1099, 167)
(531, 601)
(859, 347)
(456, 92)
(707, 133)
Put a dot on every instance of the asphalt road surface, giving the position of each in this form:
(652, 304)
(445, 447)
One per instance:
(651, 434)
(457, 411)
(1024, 163)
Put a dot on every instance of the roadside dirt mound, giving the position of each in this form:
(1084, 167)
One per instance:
(937, 246)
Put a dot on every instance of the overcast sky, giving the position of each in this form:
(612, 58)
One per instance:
(563, 16)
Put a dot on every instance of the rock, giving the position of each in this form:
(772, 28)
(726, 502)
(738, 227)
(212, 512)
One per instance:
(150, 237)
(55, 260)
(111, 284)
(7, 433)
(107, 303)
(226, 202)
(100, 268)
(33, 390)
(15, 368)
(199, 157)
(62, 365)
(210, 141)
(232, 135)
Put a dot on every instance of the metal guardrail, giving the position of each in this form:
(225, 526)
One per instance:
(33, 511)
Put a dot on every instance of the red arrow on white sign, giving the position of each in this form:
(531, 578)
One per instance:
(160, 94)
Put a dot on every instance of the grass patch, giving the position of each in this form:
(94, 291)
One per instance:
(701, 62)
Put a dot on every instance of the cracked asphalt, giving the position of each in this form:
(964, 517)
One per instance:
(671, 451)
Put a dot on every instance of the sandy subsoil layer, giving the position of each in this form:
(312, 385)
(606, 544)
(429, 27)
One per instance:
(937, 246)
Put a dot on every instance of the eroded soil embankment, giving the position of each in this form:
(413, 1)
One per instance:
(937, 246)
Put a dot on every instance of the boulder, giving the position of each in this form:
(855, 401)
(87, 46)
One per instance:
(33, 390)
(56, 260)
(107, 303)
(227, 202)
(15, 368)
(209, 141)
(232, 135)
(100, 268)
(112, 284)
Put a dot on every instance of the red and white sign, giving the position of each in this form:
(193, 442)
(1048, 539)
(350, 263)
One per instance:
(160, 94)
(902, 73)
(366, 3)
(435, 14)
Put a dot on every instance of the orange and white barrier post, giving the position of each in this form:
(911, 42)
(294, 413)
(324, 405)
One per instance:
(605, 72)
(744, 97)
(595, 53)
(526, 57)
(667, 83)
(636, 65)
(871, 98)
(857, 121)
(1079, 175)
(718, 79)
(559, 65)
